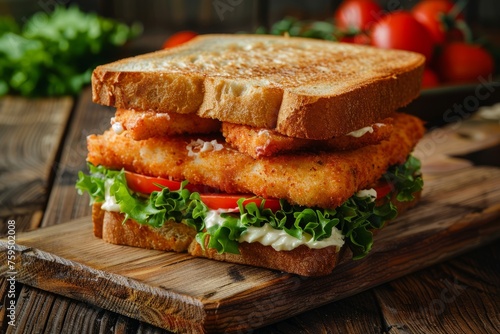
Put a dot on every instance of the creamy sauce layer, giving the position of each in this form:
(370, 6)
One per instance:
(117, 127)
(278, 239)
(198, 146)
(372, 193)
(109, 201)
(361, 132)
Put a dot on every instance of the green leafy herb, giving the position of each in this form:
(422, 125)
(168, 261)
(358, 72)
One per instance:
(297, 28)
(355, 218)
(54, 54)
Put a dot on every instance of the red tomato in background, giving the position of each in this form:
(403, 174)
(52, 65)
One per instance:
(358, 15)
(431, 14)
(361, 38)
(179, 38)
(429, 78)
(400, 30)
(462, 62)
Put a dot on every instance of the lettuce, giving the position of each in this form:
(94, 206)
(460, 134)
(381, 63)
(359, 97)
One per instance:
(355, 218)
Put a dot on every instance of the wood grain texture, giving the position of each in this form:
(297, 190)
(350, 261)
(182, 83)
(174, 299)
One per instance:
(460, 296)
(151, 286)
(40, 311)
(30, 136)
(357, 314)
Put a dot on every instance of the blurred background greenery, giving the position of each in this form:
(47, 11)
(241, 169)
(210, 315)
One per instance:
(165, 16)
(54, 53)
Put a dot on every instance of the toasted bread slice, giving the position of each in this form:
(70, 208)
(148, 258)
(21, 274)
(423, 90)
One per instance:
(315, 179)
(299, 87)
(147, 124)
(265, 143)
(111, 227)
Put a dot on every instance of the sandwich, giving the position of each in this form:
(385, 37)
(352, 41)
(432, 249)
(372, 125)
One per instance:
(278, 152)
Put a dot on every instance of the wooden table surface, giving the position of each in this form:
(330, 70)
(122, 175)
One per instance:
(43, 147)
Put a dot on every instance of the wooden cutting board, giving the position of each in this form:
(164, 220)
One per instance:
(459, 211)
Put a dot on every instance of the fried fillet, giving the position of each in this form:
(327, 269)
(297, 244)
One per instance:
(265, 143)
(148, 124)
(314, 179)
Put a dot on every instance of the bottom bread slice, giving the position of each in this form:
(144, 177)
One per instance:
(111, 227)
(172, 236)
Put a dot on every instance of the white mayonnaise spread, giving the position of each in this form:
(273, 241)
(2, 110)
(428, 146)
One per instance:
(117, 128)
(282, 241)
(264, 132)
(197, 146)
(213, 217)
(361, 132)
(367, 193)
(278, 239)
(109, 201)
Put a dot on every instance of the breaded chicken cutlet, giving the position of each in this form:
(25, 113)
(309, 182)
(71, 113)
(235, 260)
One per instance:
(322, 179)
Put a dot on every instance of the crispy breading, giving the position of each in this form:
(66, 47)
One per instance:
(314, 179)
(148, 124)
(265, 143)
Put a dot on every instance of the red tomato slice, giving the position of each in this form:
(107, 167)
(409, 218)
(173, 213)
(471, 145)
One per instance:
(147, 184)
(383, 188)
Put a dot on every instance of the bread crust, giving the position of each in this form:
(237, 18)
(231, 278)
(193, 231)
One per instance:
(319, 90)
(302, 260)
(334, 116)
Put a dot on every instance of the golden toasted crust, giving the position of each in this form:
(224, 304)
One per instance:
(300, 87)
(265, 143)
(148, 124)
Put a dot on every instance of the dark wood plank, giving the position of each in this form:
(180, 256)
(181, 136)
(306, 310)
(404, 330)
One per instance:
(31, 131)
(151, 285)
(64, 203)
(357, 314)
(39, 311)
(459, 296)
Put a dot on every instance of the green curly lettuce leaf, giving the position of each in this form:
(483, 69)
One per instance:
(406, 178)
(355, 218)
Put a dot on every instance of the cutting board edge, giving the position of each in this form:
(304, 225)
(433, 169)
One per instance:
(74, 286)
